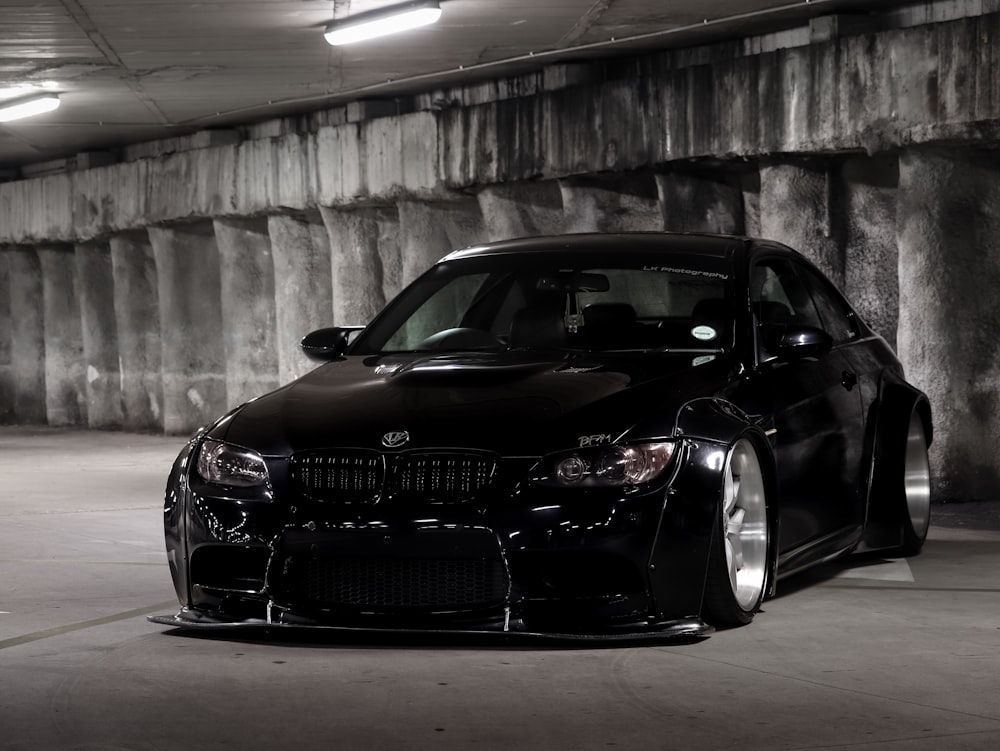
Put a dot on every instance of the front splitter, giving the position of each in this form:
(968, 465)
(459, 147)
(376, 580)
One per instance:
(686, 629)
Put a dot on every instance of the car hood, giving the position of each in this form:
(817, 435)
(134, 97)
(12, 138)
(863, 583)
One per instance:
(517, 404)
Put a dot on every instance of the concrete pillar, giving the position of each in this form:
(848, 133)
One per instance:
(522, 209)
(27, 340)
(366, 266)
(248, 307)
(302, 287)
(193, 356)
(621, 203)
(65, 384)
(948, 225)
(750, 188)
(137, 315)
(6, 338)
(700, 202)
(797, 208)
(871, 257)
(100, 335)
(428, 231)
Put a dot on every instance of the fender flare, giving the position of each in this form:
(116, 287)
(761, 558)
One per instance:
(708, 428)
(884, 499)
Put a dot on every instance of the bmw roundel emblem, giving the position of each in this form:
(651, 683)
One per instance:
(395, 438)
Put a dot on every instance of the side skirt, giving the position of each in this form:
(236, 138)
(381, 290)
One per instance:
(821, 550)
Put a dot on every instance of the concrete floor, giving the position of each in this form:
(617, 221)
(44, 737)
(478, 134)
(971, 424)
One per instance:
(877, 655)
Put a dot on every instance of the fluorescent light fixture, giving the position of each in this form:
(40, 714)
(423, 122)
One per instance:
(378, 23)
(34, 105)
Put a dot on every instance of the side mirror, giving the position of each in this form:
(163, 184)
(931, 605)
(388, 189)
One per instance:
(795, 342)
(328, 344)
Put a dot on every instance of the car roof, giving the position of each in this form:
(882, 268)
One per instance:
(667, 242)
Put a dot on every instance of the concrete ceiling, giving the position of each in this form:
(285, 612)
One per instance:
(137, 70)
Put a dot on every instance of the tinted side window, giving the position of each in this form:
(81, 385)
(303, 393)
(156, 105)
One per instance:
(838, 321)
(780, 296)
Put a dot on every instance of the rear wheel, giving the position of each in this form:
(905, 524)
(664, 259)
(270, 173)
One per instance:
(737, 573)
(916, 513)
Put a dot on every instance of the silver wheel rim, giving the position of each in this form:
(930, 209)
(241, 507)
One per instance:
(744, 523)
(917, 478)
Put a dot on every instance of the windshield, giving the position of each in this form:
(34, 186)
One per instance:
(551, 301)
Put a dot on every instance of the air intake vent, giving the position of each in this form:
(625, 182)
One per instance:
(391, 583)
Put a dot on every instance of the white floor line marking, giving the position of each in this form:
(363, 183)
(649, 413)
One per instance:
(895, 570)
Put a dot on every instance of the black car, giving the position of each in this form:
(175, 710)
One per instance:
(582, 434)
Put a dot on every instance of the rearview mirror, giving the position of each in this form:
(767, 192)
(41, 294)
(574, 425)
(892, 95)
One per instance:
(573, 281)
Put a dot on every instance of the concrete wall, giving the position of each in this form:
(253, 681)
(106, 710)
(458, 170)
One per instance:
(158, 292)
(6, 344)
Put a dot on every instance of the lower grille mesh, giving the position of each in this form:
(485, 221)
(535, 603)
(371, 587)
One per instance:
(385, 583)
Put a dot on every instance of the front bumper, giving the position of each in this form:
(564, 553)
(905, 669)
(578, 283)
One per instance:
(572, 565)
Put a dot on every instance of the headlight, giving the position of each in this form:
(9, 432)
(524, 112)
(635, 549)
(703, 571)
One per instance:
(605, 466)
(224, 464)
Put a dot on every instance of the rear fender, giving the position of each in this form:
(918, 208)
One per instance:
(885, 496)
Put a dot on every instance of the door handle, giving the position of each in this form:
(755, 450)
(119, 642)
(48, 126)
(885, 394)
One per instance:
(848, 379)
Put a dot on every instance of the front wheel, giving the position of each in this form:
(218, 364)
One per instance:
(737, 571)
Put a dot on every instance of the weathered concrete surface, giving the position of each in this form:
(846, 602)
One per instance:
(872, 92)
(949, 310)
(6, 340)
(796, 209)
(428, 231)
(750, 188)
(701, 202)
(612, 203)
(27, 343)
(100, 335)
(522, 209)
(39, 210)
(137, 316)
(65, 385)
(871, 256)
(366, 266)
(302, 287)
(248, 308)
(189, 292)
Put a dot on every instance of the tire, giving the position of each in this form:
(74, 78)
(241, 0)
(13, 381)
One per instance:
(738, 565)
(915, 514)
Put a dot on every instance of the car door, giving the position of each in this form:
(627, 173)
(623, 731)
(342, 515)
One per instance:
(816, 413)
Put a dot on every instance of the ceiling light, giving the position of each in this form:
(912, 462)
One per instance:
(35, 105)
(381, 22)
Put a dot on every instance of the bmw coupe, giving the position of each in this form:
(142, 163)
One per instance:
(588, 435)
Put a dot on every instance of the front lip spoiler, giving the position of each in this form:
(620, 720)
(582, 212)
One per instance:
(689, 629)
